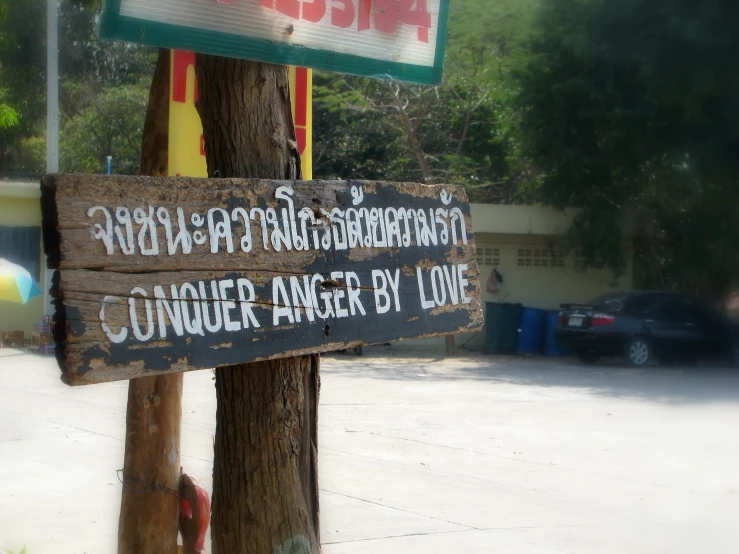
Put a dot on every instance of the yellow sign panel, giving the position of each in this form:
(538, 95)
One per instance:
(186, 146)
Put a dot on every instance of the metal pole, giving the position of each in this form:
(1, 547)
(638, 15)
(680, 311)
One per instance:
(52, 112)
(52, 86)
(110, 160)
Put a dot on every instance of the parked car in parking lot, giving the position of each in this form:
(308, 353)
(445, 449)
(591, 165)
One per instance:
(645, 327)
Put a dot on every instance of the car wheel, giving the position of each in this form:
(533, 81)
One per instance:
(588, 357)
(639, 352)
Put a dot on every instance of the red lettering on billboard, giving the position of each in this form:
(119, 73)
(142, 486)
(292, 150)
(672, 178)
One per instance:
(182, 60)
(388, 14)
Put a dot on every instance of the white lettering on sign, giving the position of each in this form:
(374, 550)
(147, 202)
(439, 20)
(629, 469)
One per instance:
(352, 291)
(227, 305)
(281, 228)
(142, 337)
(246, 301)
(381, 279)
(447, 285)
(169, 308)
(115, 338)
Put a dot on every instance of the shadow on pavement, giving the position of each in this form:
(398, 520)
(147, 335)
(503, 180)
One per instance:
(683, 384)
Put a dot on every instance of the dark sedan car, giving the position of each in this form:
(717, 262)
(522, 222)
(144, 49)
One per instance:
(644, 327)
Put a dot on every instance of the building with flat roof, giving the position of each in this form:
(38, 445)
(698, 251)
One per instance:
(526, 244)
(20, 243)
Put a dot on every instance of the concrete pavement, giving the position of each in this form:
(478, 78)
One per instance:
(419, 455)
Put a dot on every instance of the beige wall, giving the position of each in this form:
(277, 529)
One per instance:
(521, 220)
(22, 208)
(530, 220)
(536, 278)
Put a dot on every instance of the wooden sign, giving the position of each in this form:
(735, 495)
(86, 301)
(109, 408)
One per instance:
(168, 274)
(391, 39)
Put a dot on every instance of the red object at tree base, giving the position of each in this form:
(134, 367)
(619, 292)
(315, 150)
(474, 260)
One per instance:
(194, 514)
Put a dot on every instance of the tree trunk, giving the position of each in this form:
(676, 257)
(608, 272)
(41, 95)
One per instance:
(265, 486)
(428, 177)
(155, 140)
(449, 346)
(151, 468)
(410, 132)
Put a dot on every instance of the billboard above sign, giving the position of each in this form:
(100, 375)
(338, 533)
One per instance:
(391, 39)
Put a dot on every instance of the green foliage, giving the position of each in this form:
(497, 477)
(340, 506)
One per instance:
(631, 107)
(31, 159)
(89, 69)
(4, 36)
(22, 67)
(110, 125)
(90, 5)
(350, 140)
(459, 132)
(487, 41)
(8, 116)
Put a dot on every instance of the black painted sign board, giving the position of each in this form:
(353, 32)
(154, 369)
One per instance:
(167, 274)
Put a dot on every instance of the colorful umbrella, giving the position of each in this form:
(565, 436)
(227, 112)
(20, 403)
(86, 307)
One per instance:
(16, 284)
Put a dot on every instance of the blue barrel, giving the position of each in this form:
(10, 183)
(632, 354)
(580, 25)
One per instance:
(531, 331)
(551, 348)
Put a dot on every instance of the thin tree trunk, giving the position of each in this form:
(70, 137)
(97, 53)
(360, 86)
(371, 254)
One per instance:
(450, 348)
(410, 132)
(265, 486)
(155, 140)
(428, 177)
(151, 468)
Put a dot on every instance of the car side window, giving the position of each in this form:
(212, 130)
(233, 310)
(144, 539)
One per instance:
(684, 310)
(675, 311)
(694, 313)
(641, 306)
(704, 315)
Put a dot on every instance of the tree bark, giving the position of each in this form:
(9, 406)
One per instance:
(151, 468)
(154, 159)
(265, 486)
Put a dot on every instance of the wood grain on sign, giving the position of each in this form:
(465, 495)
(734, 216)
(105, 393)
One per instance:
(165, 274)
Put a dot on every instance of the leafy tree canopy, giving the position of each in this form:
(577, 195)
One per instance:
(8, 115)
(459, 132)
(631, 107)
(90, 71)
